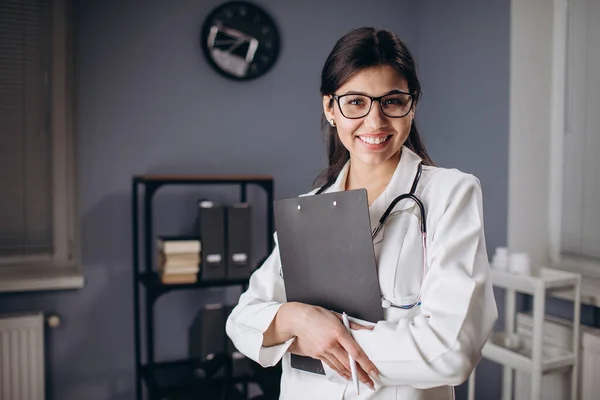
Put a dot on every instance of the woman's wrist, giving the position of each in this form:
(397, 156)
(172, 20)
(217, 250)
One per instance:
(288, 316)
(285, 325)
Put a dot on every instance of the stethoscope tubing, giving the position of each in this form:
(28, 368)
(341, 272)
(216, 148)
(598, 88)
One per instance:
(408, 196)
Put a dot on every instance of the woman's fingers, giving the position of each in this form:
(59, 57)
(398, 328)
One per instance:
(323, 336)
(341, 354)
(359, 355)
(335, 365)
(364, 378)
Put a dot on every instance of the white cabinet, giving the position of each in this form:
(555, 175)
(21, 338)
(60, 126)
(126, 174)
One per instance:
(556, 385)
(527, 353)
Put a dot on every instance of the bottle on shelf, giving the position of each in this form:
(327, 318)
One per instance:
(500, 258)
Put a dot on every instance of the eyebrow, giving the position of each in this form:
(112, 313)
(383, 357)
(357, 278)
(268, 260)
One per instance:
(395, 91)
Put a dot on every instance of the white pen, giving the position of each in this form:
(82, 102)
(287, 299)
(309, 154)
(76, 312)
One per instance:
(352, 362)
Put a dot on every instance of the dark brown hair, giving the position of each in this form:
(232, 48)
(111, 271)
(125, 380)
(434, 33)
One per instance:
(357, 50)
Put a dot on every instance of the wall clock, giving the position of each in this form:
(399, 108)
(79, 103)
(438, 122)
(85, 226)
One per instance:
(240, 40)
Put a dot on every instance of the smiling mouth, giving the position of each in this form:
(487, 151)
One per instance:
(374, 140)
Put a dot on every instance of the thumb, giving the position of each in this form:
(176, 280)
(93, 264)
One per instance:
(356, 326)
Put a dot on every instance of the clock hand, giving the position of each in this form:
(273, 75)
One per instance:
(224, 42)
(232, 48)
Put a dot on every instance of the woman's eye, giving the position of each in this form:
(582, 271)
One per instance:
(394, 102)
(356, 102)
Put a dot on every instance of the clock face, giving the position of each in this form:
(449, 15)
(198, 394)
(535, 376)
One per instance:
(240, 40)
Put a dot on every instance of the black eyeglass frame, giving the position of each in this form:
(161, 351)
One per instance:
(378, 99)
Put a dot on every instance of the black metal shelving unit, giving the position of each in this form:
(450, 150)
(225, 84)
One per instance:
(169, 378)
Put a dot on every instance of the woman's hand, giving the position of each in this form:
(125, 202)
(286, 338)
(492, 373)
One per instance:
(320, 334)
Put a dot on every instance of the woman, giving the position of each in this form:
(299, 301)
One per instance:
(437, 322)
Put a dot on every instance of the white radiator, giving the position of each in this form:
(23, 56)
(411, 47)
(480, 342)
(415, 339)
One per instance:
(22, 357)
(556, 385)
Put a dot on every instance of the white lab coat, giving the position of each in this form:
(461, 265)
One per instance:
(420, 353)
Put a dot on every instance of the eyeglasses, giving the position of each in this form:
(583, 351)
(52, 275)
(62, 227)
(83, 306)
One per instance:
(394, 105)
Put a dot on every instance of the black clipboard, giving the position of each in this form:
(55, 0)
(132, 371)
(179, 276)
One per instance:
(328, 258)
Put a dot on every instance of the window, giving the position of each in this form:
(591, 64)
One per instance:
(580, 226)
(550, 215)
(37, 205)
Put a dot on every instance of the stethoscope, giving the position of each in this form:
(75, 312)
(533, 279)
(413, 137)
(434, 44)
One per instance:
(386, 303)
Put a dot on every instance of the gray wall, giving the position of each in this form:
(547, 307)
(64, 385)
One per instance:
(463, 52)
(148, 102)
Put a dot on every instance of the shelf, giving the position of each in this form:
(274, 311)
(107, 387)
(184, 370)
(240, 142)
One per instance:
(590, 292)
(203, 178)
(515, 351)
(188, 377)
(161, 379)
(152, 281)
(551, 279)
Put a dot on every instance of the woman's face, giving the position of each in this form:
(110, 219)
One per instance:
(374, 138)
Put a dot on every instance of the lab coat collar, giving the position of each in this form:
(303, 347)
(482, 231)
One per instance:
(340, 182)
(400, 183)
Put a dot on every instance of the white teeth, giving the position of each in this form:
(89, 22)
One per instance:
(372, 140)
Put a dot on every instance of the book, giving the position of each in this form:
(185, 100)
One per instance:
(178, 245)
(178, 261)
(179, 278)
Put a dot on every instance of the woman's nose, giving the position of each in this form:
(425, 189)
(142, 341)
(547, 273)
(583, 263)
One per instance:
(375, 118)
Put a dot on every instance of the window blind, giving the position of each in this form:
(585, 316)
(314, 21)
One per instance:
(25, 136)
(581, 173)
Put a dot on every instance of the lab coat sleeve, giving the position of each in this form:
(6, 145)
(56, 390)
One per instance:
(442, 343)
(256, 310)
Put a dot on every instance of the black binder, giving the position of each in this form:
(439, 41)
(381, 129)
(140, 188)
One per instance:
(328, 258)
(206, 333)
(239, 241)
(211, 220)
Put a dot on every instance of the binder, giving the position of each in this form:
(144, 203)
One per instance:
(206, 333)
(328, 258)
(239, 243)
(211, 226)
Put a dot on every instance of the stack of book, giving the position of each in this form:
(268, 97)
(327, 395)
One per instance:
(178, 259)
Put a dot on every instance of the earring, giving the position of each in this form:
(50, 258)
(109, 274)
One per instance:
(332, 122)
